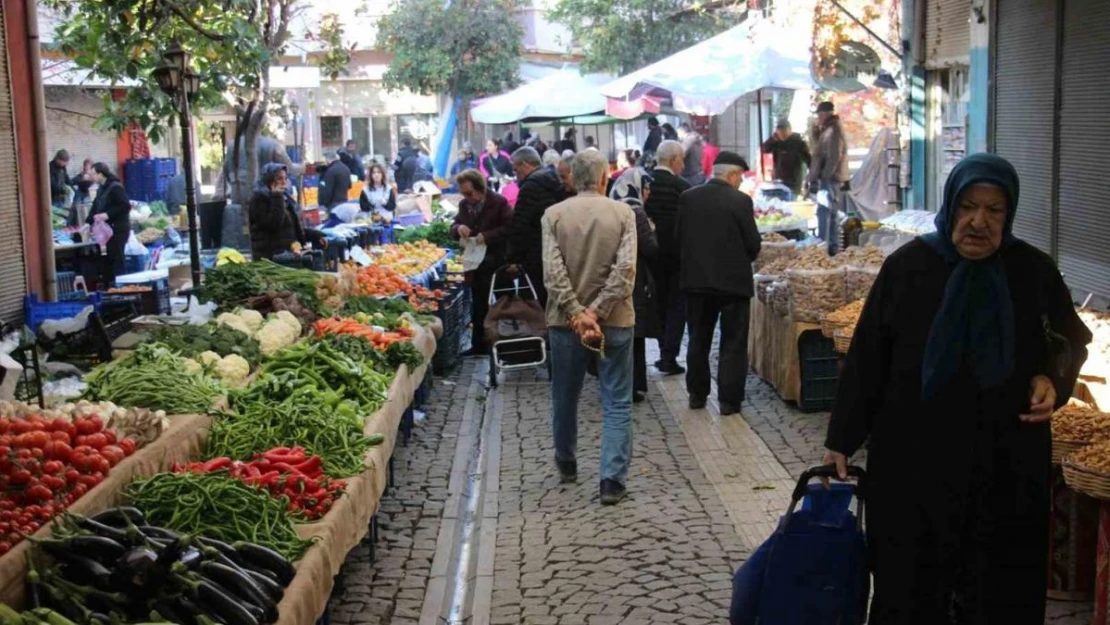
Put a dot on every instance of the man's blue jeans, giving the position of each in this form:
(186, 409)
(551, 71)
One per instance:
(568, 370)
(828, 221)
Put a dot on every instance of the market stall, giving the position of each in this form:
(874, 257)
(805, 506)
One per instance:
(306, 377)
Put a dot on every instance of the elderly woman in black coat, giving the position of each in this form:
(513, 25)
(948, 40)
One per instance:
(275, 222)
(968, 343)
(632, 188)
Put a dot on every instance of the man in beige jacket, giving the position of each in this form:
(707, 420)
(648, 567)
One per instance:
(589, 265)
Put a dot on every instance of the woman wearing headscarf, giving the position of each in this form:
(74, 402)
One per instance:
(113, 207)
(968, 343)
(275, 222)
(632, 188)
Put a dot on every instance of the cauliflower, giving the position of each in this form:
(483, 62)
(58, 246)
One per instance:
(234, 321)
(291, 320)
(208, 358)
(233, 370)
(192, 366)
(251, 317)
(274, 335)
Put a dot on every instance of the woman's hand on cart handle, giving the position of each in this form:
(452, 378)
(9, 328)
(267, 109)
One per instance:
(1042, 400)
(839, 460)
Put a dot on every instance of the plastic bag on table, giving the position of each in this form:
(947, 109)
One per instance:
(473, 254)
(134, 247)
(200, 314)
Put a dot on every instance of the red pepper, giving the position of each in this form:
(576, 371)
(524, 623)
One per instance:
(287, 455)
(216, 464)
(251, 470)
(285, 467)
(313, 467)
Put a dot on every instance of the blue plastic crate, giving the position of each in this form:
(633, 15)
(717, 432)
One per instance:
(311, 182)
(35, 312)
(134, 263)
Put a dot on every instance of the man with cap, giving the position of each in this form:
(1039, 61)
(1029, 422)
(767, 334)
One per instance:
(829, 172)
(718, 240)
(335, 182)
(790, 152)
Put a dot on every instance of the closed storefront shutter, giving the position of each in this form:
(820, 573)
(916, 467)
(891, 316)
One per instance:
(947, 32)
(1025, 69)
(1084, 219)
(13, 278)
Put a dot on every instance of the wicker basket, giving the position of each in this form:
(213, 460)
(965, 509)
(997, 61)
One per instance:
(1084, 480)
(828, 328)
(1062, 448)
(842, 340)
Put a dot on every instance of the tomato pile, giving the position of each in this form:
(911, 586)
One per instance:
(46, 465)
(284, 472)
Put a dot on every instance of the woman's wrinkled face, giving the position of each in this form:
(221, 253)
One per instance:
(980, 220)
(280, 180)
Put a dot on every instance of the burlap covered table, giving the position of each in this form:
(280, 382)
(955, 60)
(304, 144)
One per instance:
(180, 443)
(773, 349)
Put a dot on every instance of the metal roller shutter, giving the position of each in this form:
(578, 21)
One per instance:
(947, 32)
(1084, 223)
(1023, 114)
(13, 276)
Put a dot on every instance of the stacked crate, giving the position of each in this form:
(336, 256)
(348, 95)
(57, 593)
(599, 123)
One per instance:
(148, 179)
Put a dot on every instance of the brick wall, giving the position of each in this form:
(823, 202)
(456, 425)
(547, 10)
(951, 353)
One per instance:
(70, 115)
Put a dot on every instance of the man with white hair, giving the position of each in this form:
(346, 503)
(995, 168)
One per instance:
(551, 159)
(539, 190)
(719, 240)
(662, 208)
(589, 263)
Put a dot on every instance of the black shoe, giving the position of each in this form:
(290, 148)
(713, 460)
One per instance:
(669, 367)
(612, 492)
(568, 471)
(638, 397)
(697, 403)
(728, 409)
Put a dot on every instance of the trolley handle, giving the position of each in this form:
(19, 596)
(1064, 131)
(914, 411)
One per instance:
(827, 471)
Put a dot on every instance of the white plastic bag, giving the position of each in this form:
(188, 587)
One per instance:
(134, 247)
(473, 254)
(200, 314)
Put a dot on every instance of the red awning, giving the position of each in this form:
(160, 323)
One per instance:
(631, 109)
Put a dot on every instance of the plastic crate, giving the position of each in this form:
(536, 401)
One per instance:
(820, 369)
(85, 348)
(35, 312)
(117, 318)
(134, 263)
(156, 301)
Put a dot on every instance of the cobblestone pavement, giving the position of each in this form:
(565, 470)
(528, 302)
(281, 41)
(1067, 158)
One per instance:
(664, 555)
(391, 589)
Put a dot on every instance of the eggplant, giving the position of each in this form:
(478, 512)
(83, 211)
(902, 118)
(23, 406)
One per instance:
(188, 610)
(107, 531)
(98, 618)
(99, 548)
(268, 585)
(165, 611)
(222, 547)
(138, 568)
(158, 532)
(84, 570)
(120, 517)
(268, 574)
(242, 586)
(267, 559)
(34, 587)
(190, 557)
(217, 603)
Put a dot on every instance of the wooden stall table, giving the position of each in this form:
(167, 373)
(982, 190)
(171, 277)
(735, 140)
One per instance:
(180, 443)
(773, 349)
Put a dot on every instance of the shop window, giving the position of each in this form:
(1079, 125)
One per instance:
(381, 143)
(360, 134)
(331, 132)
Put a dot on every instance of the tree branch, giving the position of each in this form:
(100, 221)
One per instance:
(188, 19)
(65, 110)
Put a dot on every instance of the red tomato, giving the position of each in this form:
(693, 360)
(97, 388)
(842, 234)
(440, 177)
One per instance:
(102, 465)
(79, 491)
(113, 453)
(128, 445)
(91, 425)
(23, 453)
(111, 436)
(20, 477)
(53, 483)
(59, 425)
(96, 441)
(5, 547)
(19, 426)
(5, 451)
(89, 481)
(60, 435)
(58, 450)
(5, 425)
(83, 449)
(37, 439)
(72, 475)
(82, 439)
(6, 439)
(53, 467)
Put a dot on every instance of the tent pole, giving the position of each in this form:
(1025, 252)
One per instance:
(759, 120)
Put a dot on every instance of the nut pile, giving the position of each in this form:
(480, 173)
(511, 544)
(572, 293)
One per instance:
(814, 293)
(780, 297)
(1094, 457)
(847, 315)
(773, 237)
(858, 281)
(1079, 423)
(867, 256)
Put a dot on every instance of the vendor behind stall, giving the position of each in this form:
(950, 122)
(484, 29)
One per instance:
(378, 197)
(275, 222)
(113, 208)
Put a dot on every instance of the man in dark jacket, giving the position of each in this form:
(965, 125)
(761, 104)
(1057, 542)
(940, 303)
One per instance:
(404, 166)
(829, 173)
(662, 208)
(59, 178)
(654, 138)
(790, 152)
(484, 216)
(335, 182)
(719, 240)
(350, 157)
(540, 189)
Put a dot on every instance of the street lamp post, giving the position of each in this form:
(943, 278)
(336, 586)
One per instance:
(177, 79)
(298, 147)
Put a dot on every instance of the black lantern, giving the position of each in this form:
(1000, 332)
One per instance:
(176, 78)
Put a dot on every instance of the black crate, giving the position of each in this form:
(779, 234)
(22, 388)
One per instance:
(117, 317)
(85, 348)
(156, 301)
(820, 370)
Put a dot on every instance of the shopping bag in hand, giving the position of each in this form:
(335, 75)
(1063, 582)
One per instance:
(473, 254)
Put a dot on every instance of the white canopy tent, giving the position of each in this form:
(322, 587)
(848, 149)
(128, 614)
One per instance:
(562, 94)
(705, 79)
